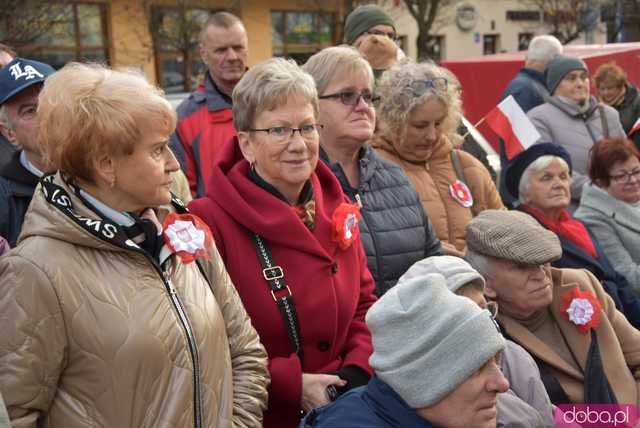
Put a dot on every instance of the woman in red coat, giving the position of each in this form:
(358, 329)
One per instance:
(290, 242)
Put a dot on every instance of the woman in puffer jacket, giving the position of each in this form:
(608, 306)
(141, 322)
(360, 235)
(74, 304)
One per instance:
(116, 308)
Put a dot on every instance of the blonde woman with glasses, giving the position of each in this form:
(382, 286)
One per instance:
(418, 109)
(290, 241)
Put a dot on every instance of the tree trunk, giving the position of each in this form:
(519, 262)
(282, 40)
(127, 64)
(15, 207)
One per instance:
(422, 44)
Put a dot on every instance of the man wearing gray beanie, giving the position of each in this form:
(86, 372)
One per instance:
(585, 348)
(425, 376)
(573, 118)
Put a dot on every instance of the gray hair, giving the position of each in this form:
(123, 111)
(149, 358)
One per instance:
(221, 20)
(398, 99)
(479, 262)
(537, 165)
(336, 61)
(4, 117)
(269, 85)
(543, 49)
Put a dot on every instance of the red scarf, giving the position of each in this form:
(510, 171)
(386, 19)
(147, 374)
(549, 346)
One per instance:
(567, 227)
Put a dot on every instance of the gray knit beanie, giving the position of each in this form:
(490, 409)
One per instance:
(559, 67)
(427, 340)
(512, 235)
(362, 18)
(456, 271)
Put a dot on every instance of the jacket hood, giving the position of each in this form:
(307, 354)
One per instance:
(251, 206)
(441, 148)
(57, 213)
(572, 109)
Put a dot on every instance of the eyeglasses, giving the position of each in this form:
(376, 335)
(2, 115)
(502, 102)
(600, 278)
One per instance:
(419, 87)
(392, 36)
(625, 176)
(285, 133)
(352, 98)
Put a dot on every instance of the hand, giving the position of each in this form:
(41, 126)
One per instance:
(450, 250)
(314, 389)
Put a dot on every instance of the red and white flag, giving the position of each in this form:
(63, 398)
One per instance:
(510, 122)
(635, 128)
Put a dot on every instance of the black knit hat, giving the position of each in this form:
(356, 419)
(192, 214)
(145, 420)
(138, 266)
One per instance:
(363, 18)
(516, 167)
(559, 67)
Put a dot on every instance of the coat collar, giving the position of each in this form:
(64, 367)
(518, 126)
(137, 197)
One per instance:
(597, 199)
(390, 404)
(578, 342)
(572, 109)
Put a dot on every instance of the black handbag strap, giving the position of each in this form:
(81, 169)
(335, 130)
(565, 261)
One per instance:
(280, 291)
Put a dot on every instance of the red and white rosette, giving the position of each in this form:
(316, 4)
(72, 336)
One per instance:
(345, 228)
(187, 236)
(581, 308)
(461, 193)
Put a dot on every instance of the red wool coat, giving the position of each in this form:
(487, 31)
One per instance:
(332, 288)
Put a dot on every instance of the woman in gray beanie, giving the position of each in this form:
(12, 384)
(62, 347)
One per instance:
(572, 117)
(424, 375)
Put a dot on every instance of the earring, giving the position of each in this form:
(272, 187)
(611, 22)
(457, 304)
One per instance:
(112, 183)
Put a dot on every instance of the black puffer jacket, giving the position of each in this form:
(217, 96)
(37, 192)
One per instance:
(395, 230)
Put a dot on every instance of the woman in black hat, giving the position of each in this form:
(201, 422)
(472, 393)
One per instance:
(540, 177)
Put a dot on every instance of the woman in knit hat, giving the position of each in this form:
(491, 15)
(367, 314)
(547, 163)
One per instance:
(425, 376)
(572, 117)
(540, 177)
(586, 349)
(526, 403)
(419, 108)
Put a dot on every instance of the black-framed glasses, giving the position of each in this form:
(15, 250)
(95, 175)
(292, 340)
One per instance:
(419, 87)
(625, 177)
(393, 36)
(285, 133)
(352, 98)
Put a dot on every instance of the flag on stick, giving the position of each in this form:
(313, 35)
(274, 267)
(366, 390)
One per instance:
(635, 128)
(509, 121)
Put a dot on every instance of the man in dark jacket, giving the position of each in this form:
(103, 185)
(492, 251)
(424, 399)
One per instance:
(205, 119)
(20, 84)
(427, 373)
(529, 89)
(6, 148)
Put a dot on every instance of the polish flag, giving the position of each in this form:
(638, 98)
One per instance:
(635, 128)
(509, 121)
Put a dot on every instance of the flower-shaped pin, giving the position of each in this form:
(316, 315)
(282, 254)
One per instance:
(187, 236)
(345, 228)
(581, 308)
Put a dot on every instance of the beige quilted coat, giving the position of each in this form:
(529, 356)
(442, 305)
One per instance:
(92, 338)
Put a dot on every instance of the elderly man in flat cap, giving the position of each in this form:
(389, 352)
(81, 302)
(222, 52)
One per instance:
(586, 349)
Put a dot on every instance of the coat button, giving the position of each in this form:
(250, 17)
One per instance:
(323, 345)
(334, 267)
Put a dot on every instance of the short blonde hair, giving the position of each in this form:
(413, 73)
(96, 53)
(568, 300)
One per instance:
(398, 99)
(88, 110)
(336, 61)
(267, 86)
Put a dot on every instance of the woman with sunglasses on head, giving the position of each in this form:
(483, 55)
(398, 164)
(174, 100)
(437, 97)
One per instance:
(291, 244)
(418, 109)
(610, 205)
(394, 229)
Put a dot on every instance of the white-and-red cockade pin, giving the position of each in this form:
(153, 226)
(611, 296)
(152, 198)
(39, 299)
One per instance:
(461, 193)
(187, 236)
(581, 308)
(345, 228)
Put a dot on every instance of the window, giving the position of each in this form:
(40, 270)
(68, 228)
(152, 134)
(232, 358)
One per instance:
(523, 15)
(299, 35)
(67, 32)
(435, 48)
(489, 44)
(175, 32)
(523, 41)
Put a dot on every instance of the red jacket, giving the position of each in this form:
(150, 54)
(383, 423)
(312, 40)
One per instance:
(332, 288)
(205, 122)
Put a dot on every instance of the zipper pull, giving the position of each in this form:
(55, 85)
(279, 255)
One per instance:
(172, 289)
(358, 200)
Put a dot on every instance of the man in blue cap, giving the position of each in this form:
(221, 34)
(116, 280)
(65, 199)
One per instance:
(20, 84)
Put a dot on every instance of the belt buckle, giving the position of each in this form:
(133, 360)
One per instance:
(272, 273)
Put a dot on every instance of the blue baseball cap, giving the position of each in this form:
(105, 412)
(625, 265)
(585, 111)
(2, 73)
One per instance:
(19, 74)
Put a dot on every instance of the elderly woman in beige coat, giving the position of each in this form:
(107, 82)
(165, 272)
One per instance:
(118, 313)
(586, 349)
(419, 107)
